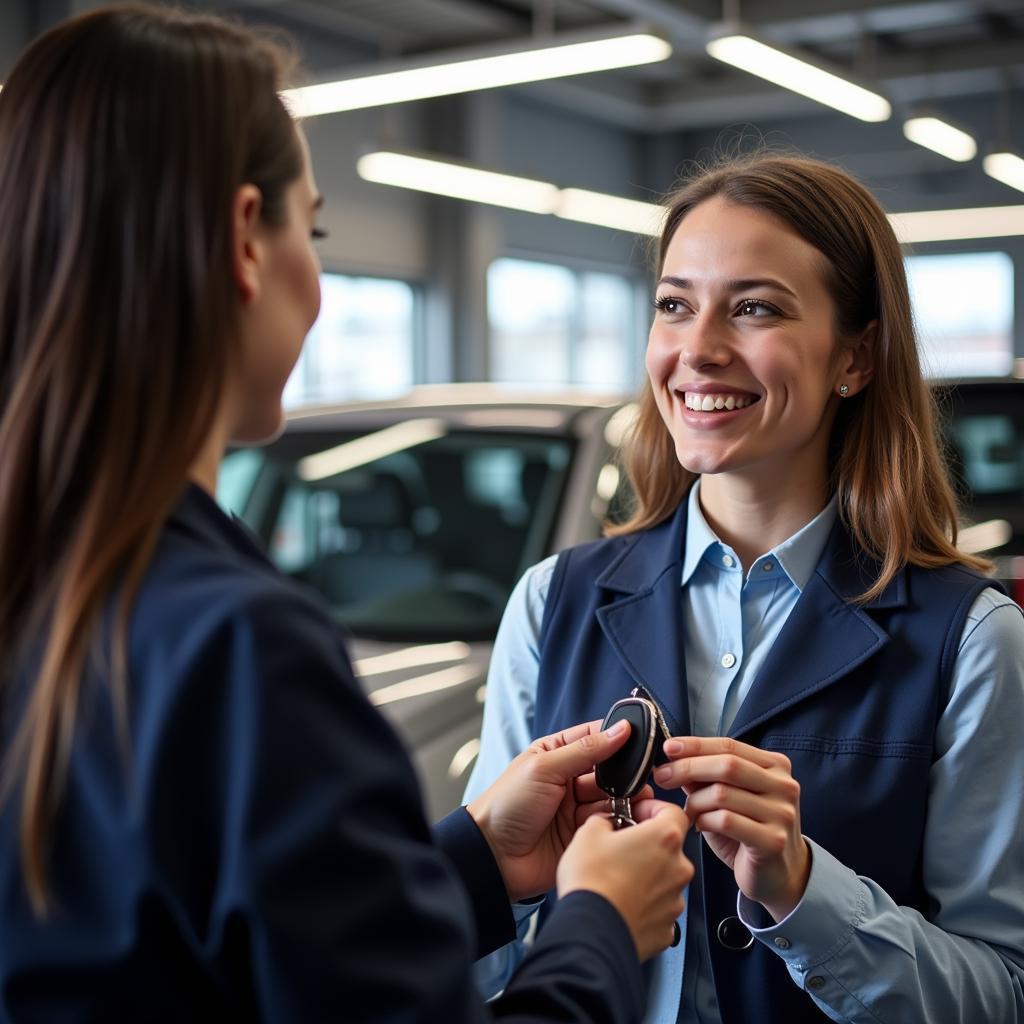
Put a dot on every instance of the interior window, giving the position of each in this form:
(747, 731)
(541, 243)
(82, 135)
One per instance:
(361, 345)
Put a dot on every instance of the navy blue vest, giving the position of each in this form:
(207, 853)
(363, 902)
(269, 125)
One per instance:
(851, 694)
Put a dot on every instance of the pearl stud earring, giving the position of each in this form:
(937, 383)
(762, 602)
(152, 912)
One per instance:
(844, 390)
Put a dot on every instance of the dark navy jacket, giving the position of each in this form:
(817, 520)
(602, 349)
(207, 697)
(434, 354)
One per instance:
(262, 854)
(851, 694)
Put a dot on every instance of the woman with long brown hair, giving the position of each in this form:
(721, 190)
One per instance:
(841, 687)
(202, 817)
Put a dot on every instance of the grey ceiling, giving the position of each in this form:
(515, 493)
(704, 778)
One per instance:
(931, 51)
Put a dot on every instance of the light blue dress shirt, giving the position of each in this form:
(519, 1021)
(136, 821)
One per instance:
(871, 960)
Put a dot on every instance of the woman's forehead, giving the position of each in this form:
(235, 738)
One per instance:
(722, 238)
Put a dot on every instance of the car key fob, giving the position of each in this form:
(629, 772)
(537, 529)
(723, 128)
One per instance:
(626, 772)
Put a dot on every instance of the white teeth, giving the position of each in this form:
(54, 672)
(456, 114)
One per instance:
(711, 403)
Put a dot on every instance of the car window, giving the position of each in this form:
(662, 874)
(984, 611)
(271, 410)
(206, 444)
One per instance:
(422, 543)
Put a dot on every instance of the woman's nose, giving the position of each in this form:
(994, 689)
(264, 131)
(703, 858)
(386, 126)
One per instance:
(705, 344)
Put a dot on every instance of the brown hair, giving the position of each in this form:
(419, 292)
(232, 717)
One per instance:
(125, 134)
(885, 462)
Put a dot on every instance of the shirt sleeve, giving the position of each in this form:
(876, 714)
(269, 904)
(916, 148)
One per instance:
(508, 730)
(863, 958)
(331, 898)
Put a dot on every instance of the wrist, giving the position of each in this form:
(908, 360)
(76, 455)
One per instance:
(785, 901)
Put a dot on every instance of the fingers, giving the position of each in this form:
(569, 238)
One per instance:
(567, 736)
(587, 791)
(563, 761)
(641, 809)
(769, 774)
(692, 746)
(645, 810)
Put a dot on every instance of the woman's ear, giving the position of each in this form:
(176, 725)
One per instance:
(857, 365)
(246, 247)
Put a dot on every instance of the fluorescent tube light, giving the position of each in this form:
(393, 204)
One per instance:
(368, 448)
(1006, 167)
(462, 181)
(950, 225)
(795, 72)
(429, 175)
(610, 211)
(472, 70)
(941, 137)
(447, 178)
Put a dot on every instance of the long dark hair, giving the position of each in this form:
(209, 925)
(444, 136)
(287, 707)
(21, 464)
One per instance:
(885, 461)
(124, 136)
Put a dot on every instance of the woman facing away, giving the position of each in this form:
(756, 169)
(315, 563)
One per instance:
(843, 687)
(202, 817)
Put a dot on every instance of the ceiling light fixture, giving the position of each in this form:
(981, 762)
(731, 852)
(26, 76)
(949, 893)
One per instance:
(441, 176)
(737, 46)
(1007, 167)
(938, 135)
(610, 211)
(458, 181)
(457, 71)
(952, 225)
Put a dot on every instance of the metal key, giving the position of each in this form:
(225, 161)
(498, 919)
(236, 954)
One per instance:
(626, 772)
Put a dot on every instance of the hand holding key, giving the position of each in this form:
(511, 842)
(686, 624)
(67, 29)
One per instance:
(641, 871)
(530, 814)
(746, 803)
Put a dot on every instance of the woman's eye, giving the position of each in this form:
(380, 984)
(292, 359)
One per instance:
(318, 234)
(756, 308)
(668, 305)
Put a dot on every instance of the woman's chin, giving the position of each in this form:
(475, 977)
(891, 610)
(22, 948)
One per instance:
(261, 429)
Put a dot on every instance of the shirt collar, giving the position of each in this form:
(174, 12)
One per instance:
(699, 536)
(798, 555)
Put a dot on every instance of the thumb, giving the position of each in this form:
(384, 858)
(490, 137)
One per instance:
(565, 763)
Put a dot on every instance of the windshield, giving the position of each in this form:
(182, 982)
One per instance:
(420, 543)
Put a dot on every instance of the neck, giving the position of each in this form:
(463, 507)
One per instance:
(206, 464)
(753, 516)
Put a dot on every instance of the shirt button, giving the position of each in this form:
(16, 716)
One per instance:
(782, 943)
(728, 561)
(767, 566)
(728, 660)
(816, 982)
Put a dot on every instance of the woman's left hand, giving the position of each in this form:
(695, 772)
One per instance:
(747, 804)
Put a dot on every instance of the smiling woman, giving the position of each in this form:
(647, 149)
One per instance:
(839, 677)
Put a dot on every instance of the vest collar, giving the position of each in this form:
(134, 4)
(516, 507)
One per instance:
(659, 549)
(825, 637)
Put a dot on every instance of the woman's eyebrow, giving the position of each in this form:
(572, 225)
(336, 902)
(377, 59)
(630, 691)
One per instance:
(738, 285)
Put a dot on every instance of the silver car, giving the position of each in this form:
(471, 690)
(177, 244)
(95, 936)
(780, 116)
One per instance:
(414, 518)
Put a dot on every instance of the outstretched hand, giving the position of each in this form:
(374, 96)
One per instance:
(530, 814)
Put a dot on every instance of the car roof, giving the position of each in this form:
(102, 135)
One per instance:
(476, 405)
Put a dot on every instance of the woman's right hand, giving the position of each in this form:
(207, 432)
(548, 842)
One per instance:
(640, 870)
